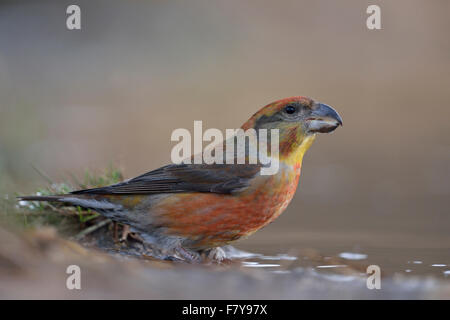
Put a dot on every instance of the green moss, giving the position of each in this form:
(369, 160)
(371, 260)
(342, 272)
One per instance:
(66, 219)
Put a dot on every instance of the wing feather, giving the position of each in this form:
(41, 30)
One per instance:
(176, 178)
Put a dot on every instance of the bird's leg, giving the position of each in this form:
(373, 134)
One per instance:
(116, 231)
(187, 255)
(125, 232)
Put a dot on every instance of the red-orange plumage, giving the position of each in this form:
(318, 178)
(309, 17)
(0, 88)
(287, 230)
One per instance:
(212, 219)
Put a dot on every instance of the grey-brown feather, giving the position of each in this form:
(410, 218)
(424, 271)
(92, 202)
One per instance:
(176, 178)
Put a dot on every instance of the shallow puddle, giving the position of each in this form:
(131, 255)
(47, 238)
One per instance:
(409, 262)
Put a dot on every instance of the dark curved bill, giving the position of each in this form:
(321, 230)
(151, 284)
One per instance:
(323, 119)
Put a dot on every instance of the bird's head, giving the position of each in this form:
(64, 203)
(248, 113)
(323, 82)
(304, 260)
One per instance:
(298, 120)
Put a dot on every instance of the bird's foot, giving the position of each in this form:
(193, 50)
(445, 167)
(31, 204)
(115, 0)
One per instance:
(216, 254)
(187, 255)
(127, 232)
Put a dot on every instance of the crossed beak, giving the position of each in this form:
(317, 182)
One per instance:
(323, 118)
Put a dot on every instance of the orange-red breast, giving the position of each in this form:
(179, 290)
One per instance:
(187, 208)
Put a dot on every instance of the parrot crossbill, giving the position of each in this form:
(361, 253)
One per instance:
(188, 209)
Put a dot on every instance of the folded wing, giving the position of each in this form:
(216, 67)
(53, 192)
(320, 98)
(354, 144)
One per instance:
(177, 178)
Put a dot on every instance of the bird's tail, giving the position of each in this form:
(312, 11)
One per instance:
(98, 204)
(43, 198)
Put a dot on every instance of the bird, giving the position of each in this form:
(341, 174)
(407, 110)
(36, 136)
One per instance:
(189, 209)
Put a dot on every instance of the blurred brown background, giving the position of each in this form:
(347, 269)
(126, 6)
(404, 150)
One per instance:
(114, 92)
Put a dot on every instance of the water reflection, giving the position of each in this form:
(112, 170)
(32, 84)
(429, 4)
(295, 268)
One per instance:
(342, 266)
(353, 256)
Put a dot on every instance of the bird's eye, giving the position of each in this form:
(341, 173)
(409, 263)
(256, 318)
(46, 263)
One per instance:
(290, 109)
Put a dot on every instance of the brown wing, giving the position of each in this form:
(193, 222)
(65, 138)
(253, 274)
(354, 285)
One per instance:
(176, 178)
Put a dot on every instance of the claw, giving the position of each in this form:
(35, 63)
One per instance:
(188, 255)
(216, 254)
